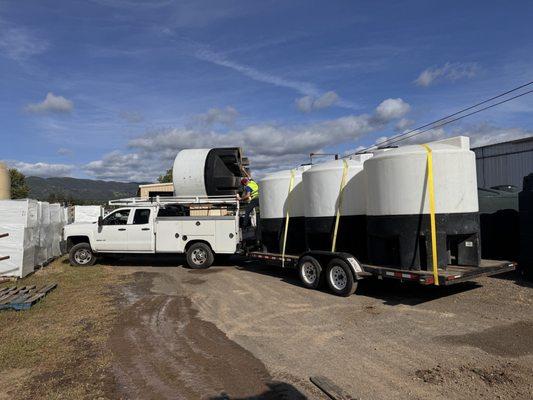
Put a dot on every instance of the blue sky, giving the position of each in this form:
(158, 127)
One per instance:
(112, 89)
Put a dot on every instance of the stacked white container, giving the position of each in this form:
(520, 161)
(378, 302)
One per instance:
(87, 213)
(18, 218)
(56, 228)
(45, 235)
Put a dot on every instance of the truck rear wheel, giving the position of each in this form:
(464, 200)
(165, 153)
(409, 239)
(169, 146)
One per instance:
(340, 278)
(81, 255)
(310, 272)
(200, 256)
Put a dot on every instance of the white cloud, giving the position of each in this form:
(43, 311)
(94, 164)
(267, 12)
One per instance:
(449, 71)
(403, 124)
(62, 151)
(269, 146)
(252, 73)
(127, 167)
(41, 169)
(19, 44)
(51, 104)
(223, 116)
(310, 103)
(392, 108)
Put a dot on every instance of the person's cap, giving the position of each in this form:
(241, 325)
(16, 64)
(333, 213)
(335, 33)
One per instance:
(244, 181)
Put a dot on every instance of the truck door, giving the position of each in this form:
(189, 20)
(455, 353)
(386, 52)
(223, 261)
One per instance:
(112, 235)
(141, 231)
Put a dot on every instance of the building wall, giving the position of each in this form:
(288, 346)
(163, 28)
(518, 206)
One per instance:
(156, 189)
(504, 163)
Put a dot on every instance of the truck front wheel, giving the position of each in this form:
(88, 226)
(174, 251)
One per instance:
(200, 256)
(81, 255)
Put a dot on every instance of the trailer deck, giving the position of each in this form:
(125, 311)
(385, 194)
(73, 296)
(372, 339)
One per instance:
(447, 276)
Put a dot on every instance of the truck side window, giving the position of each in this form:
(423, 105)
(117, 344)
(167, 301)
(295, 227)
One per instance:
(141, 216)
(119, 217)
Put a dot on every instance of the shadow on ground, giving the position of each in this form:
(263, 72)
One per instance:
(276, 391)
(391, 292)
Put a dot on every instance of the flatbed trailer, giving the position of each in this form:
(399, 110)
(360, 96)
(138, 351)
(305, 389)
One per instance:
(342, 271)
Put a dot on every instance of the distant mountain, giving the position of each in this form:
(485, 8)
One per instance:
(81, 191)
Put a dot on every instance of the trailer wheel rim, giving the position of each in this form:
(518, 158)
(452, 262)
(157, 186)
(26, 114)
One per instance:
(338, 277)
(83, 256)
(309, 272)
(199, 256)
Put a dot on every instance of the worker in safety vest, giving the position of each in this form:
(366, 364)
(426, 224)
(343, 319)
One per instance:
(251, 194)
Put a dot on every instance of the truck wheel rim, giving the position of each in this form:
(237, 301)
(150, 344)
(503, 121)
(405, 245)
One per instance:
(83, 256)
(309, 272)
(199, 256)
(338, 278)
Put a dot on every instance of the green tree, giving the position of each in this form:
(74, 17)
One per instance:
(19, 188)
(167, 178)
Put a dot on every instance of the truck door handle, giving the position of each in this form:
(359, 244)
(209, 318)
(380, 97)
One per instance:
(145, 229)
(121, 229)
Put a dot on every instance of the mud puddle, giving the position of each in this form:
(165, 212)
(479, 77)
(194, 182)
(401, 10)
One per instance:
(162, 350)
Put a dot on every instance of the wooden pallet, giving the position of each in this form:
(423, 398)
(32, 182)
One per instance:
(23, 298)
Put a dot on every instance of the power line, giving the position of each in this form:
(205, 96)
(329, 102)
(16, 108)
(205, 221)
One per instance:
(461, 117)
(399, 137)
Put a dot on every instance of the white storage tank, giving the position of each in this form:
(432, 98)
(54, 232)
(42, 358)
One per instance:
(274, 201)
(208, 172)
(5, 183)
(322, 188)
(398, 222)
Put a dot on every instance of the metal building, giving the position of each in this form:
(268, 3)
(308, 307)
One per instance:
(504, 163)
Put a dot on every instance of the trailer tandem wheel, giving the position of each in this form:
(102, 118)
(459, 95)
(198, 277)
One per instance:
(340, 278)
(310, 272)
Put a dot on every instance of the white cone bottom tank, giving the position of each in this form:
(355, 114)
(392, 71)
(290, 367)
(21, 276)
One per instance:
(5, 183)
(275, 199)
(322, 188)
(398, 222)
(207, 172)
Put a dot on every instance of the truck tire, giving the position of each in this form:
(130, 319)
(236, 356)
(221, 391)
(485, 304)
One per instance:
(310, 272)
(200, 256)
(340, 278)
(81, 255)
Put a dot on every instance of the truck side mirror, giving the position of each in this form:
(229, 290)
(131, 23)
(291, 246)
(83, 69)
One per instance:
(100, 219)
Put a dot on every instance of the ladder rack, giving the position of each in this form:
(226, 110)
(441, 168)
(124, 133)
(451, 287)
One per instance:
(167, 200)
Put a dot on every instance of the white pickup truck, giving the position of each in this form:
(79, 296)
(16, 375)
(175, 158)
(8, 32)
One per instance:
(200, 227)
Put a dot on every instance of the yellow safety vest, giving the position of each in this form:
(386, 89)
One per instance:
(255, 189)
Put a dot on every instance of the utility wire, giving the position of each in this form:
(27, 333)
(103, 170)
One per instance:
(403, 135)
(458, 118)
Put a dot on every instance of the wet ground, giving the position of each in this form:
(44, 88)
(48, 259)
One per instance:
(252, 332)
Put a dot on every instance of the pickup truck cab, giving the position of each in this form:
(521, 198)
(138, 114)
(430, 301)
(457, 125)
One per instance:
(198, 227)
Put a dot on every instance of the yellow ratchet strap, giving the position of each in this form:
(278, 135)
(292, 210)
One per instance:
(287, 216)
(339, 204)
(431, 190)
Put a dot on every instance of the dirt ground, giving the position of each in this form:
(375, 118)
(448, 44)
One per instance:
(252, 332)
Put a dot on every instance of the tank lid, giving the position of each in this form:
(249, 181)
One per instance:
(286, 172)
(458, 143)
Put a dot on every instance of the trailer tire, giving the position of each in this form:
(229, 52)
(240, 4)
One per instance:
(200, 256)
(340, 278)
(310, 272)
(81, 255)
